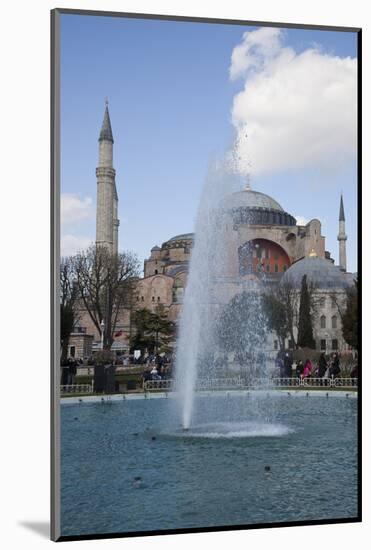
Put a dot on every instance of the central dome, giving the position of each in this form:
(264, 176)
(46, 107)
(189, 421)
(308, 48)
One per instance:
(251, 199)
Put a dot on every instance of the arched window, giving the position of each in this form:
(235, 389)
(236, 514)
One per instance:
(323, 321)
(334, 321)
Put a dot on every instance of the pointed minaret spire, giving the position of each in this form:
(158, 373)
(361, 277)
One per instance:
(106, 130)
(341, 212)
(342, 237)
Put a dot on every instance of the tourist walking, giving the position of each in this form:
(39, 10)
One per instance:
(307, 369)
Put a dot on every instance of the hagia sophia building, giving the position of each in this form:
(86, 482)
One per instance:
(264, 242)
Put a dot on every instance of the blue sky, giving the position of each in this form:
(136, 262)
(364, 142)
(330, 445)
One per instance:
(171, 100)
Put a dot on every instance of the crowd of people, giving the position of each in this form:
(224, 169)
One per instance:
(157, 367)
(69, 370)
(324, 367)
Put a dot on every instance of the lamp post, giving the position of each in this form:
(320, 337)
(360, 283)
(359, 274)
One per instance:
(102, 333)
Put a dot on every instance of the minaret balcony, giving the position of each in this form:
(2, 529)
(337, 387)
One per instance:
(105, 172)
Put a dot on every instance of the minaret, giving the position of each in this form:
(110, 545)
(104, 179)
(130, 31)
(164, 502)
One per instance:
(107, 200)
(342, 238)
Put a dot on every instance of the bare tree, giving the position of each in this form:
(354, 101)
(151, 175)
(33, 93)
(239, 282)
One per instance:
(105, 284)
(68, 298)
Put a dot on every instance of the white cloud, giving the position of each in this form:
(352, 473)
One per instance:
(256, 49)
(71, 244)
(75, 209)
(300, 220)
(297, 110)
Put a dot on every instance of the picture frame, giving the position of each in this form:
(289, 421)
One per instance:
(56, 486)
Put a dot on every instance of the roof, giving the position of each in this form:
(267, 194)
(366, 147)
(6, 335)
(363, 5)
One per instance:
(320, 272)
(106, 130)
(251, 199)
(183, 237)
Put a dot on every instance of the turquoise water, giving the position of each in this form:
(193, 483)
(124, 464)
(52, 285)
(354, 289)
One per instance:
(127, 466)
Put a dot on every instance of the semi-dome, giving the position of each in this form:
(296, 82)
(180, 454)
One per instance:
(320, 272)
(247, 198)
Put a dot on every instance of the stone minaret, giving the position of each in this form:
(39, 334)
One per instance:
(107, 200)
(342, 238)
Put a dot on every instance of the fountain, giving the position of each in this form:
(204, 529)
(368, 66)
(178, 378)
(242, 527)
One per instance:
(210, 312)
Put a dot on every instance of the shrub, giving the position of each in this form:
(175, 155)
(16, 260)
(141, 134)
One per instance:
(103, 357)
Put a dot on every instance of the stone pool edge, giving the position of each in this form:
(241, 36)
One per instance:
(170, 395)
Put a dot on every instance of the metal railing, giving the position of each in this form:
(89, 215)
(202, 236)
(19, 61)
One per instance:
(257, 383)
(314, 382)
(221, 383)
(76, 388)
(153, 385)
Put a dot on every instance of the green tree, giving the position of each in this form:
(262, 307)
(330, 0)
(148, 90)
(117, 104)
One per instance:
(305, 328)
(277, 316)
(349, 317)
(153, 330)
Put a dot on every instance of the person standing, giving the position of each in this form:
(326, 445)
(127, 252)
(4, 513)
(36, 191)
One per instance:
(299, 369)
(287, 361)
(307, 369)
(322, 366)
(335, 366)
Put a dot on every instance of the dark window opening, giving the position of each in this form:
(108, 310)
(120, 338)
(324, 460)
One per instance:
(335, 344)
(323, 345)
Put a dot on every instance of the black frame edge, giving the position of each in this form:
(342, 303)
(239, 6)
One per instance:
(197, 19)
(54, 280)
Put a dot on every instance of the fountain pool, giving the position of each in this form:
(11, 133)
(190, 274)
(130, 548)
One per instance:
(128, 466)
